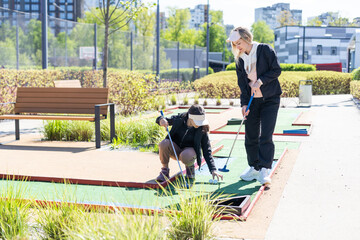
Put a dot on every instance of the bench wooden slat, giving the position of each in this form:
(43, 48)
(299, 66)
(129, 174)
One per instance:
(67, 84)
(59, 105)
(64, 90)
(49, 117)
(52, 110)
(62, 95)
(93, 101)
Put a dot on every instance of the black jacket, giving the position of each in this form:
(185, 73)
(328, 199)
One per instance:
(267, 69)
(200, 138)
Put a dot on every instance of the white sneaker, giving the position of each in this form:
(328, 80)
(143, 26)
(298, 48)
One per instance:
(249, 174)
(264, 176)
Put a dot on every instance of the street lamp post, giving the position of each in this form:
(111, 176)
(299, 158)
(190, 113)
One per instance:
(207, 38)
(44, 35)
(158, 40)
(297, 49)
(303, 52)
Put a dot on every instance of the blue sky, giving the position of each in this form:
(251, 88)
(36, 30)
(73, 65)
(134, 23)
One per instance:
(239, 12)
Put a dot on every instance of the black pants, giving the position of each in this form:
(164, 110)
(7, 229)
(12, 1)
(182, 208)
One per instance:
(259, 128)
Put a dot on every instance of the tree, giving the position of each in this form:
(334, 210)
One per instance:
(178, 22)
(315, 22)
(115, 15)
(217, 33)
(262, 32)
(286, 19)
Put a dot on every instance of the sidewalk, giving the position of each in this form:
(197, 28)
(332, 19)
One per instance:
(321, 198)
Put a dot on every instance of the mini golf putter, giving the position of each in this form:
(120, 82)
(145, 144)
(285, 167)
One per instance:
(224, 169)
(172, 144)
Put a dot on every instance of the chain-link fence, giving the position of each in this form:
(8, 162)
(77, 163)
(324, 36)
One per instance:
(74, 44)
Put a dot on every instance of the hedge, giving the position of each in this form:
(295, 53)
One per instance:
(298, 67)
(224, 84)
(355, 89)
(131, 91)
(356, 74)
(284, 67)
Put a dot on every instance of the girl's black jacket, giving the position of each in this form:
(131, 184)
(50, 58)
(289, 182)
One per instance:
(267, 69)
(197, 138)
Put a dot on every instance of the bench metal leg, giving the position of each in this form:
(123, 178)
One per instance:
(97, 127)
(17, 129)
(112, 122)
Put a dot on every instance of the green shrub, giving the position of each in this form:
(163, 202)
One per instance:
(173, 99)
(224, 84)
(57, 130)
(131, 91)
(14, 212)
(297, 67)
(356, 74)
(186, 100)
(355, 89)
(329, 82)
(185, 74)
(193, 217)
(132, 131)
(196, 99)
(231, 67)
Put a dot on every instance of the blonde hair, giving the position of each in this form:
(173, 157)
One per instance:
(246, 36)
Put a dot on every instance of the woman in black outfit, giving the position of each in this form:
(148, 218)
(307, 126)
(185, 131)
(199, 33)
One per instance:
(257, 70)
(189, 134)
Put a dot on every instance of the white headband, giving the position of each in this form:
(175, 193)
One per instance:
(197, 117)
(199, 120)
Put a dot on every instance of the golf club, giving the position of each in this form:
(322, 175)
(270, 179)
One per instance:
(172, 144)
(224, 169)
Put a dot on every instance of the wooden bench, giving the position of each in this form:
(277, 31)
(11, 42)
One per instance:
(67, 84)
(84, 104)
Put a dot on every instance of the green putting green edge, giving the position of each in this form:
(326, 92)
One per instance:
(150, 198)
(182, 110)
(284, 120)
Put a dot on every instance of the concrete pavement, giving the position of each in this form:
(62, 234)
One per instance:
(321, 198)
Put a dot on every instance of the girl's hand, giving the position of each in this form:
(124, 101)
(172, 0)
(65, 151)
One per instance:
(164, 123)
(217, 175)
(243, 111)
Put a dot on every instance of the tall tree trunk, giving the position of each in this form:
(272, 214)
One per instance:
(106, 47)
(105, 64)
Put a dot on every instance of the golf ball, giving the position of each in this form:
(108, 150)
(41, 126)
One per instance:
(213, 181)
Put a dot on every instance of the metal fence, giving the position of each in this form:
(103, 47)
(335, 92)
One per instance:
(74, 44)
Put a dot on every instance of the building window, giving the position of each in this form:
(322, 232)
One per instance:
(333, 50)
(27, 7)
(275, 37)
(319, 50)
(306, 55)
(34, 7)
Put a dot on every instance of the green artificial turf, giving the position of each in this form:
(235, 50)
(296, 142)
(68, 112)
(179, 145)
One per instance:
(284, 122)
(153, 198)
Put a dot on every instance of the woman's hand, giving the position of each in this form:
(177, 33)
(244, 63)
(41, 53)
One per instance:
(243, 111)
(252, 75)
(217, 175)
(164, 123)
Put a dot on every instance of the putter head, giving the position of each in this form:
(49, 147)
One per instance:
(224, 169)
